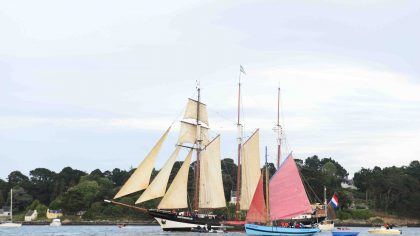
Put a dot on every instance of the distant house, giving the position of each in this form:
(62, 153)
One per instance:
(54, 214)
(80, 213)
(5, 211)
(31, 215)
(233, 197)
(348, 183)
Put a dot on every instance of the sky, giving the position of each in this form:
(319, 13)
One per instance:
(94, 84)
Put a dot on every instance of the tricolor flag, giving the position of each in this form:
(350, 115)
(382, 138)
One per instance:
(242, 69)
(334, 201)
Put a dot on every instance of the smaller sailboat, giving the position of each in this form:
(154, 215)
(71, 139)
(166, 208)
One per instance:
(10, 224)
(328, 223)
(285, 198)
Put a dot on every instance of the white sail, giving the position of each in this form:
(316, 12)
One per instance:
(158, 186)
(189, 133)
(176, 196)
(211, 183)
(191, 111)
(140, 179)
(250, 169)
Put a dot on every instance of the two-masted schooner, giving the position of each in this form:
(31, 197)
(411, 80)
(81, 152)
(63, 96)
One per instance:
(174, 213)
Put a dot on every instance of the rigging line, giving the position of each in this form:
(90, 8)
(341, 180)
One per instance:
(304, 180)
(309, 186)
(218, 113)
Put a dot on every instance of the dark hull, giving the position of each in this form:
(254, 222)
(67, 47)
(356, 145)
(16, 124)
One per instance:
(174, 222)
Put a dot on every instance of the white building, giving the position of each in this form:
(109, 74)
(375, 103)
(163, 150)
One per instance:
(31, 215)
(5, 211)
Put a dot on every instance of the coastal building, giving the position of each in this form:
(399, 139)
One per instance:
(53, 214)
(80, 213)
(349, 184)
(5, 211)
(31, 215)
(232, 197)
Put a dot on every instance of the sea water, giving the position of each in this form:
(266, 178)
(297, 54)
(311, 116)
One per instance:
(139, 230)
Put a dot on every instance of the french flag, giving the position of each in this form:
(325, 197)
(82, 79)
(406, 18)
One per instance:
(334, 201)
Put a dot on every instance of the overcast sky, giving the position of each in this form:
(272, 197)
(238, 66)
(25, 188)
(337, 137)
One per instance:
(94, 84)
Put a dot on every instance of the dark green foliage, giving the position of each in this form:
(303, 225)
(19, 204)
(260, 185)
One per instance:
(42, 184)
(16, 178)
(392, 189)
(21, 199)
(318, 173)
(344, 215)
(73, 201)
(4, 188)
(229, 176)
(354, 214)
(33, 205)
(118, 177)
(361, 214)
(42, 210)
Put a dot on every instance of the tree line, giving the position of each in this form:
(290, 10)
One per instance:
(393, 189)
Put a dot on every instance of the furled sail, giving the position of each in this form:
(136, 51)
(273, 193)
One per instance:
(287, 193)
(158, 186)
(140, 179)
(176, 196)
(189, 133)
(257, 210)
(211, 183)
(250, 169)
(191, 111)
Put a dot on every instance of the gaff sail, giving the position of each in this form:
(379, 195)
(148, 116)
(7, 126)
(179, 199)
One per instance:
(287, 193)
(211, 183)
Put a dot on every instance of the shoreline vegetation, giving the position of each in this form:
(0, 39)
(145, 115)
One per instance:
(373, 197)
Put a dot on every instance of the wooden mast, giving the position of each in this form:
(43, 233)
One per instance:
(325, 203)
(267, 193)
(279, 130)
(11, 205)
(197, 166)
(239, 138)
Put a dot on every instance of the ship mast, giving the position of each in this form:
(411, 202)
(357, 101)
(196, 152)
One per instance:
(267, 193)
(198, 141)
(278, 130)
(239, 139)
(11, 204)
(325, 203)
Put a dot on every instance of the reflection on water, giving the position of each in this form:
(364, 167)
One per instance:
(135, 231)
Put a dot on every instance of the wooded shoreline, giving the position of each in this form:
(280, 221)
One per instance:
(376, 196)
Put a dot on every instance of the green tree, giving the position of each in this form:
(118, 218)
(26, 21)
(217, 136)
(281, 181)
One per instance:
(42, 210)
(42, 184)
(16, 178)
(73, 201)
(4, 186)
(21, 199)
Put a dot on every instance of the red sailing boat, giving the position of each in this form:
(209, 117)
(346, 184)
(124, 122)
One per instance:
(286, 198)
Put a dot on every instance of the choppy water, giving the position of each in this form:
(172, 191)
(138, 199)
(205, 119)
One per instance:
(136, 230)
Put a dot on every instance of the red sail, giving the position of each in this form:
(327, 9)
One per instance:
(257, 211)
(287, 194)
